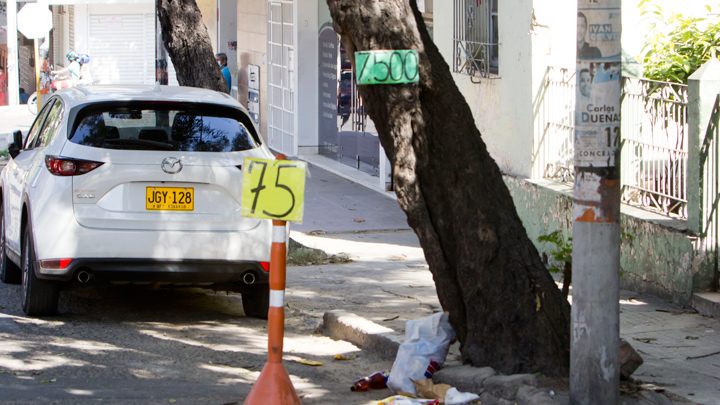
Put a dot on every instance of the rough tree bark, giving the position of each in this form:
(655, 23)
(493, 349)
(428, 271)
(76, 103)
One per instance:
(188, 44)
(502, 302)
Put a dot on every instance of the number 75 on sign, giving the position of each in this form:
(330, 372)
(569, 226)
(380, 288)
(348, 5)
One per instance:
(273, 189)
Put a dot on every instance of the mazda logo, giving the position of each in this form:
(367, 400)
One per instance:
(171, 165)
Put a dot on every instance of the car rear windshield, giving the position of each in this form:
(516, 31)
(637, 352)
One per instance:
(171, 127)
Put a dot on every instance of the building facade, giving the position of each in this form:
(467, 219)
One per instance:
(501, 54)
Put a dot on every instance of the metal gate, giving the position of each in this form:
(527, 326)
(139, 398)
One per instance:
(117, 48)
(281, 78)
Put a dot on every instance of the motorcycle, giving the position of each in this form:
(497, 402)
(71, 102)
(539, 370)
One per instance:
(49, 84)
(47, 88)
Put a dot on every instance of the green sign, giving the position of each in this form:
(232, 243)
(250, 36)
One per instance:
(387, 66)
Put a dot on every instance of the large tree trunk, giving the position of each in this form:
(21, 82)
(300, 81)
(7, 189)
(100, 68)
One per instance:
(502, 302)
(188, 44)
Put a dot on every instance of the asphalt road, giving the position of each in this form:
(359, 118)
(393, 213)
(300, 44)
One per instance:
(133, 344)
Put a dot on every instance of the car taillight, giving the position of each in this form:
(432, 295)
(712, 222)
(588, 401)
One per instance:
(57, 264)
(69, 167)
(265, 266)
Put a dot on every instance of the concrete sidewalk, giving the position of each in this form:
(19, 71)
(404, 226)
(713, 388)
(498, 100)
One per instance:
(13, 118)
(369, 300)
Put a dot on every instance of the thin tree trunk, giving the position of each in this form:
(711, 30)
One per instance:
(188, 44)
(502, 302)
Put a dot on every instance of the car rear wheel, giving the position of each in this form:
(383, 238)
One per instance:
(257, 301)
(40, 297)
(9, 271)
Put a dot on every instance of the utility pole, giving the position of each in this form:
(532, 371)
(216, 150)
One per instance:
(595, 334)
(13, 72)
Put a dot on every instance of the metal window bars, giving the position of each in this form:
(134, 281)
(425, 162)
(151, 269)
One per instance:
(475, 45)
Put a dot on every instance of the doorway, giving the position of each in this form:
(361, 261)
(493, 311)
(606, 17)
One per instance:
(281, 78)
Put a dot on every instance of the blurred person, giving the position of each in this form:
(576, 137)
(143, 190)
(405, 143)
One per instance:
(3, 94)
(222, 61)
(85, 76)
(70, 75)
(23, 96)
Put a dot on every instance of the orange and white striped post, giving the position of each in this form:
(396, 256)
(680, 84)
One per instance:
(274, 387)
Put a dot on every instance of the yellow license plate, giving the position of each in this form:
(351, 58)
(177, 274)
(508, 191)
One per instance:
(169, 198)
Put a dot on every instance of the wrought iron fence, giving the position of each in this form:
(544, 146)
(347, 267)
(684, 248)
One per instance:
(555, 126)
(654, 177)
(654, 128)
(710, 184)
(654, 152)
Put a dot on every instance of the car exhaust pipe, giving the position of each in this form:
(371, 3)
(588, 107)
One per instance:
(248, 278)
(83, 276)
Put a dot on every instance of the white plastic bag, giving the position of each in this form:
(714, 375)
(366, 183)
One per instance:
(454, 397)
(426, 345)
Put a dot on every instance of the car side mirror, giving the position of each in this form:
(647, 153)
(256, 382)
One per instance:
(16, 145)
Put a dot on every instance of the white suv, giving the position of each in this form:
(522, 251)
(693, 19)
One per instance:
(133, 184)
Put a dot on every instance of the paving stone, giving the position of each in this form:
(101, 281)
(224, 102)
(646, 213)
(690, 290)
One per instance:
(653, 398)
(464, 378)
(488, 399)
(506, 386)
(630, 360)
(527, 394)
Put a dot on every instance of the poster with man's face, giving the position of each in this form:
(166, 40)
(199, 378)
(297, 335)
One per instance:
(598, 31)
(597, 111)
(597, 107)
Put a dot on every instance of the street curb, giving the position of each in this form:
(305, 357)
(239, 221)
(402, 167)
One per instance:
(363, 333)
(339, 324)
(706, 303)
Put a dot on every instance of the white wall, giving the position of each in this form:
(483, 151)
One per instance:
(81, 28)
(208, 9)
(227, 31)
(252, 48)
(502, 108)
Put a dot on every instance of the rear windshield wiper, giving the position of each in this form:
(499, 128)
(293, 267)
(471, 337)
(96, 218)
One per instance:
(141, 142)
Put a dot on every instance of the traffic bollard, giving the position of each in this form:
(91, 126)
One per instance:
(273, 386)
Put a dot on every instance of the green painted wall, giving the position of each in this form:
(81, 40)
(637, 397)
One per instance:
(657, 257)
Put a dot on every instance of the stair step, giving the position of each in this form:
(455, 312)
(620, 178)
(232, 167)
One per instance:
(707, 303)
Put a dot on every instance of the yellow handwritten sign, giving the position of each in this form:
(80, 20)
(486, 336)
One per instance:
(273, 189)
